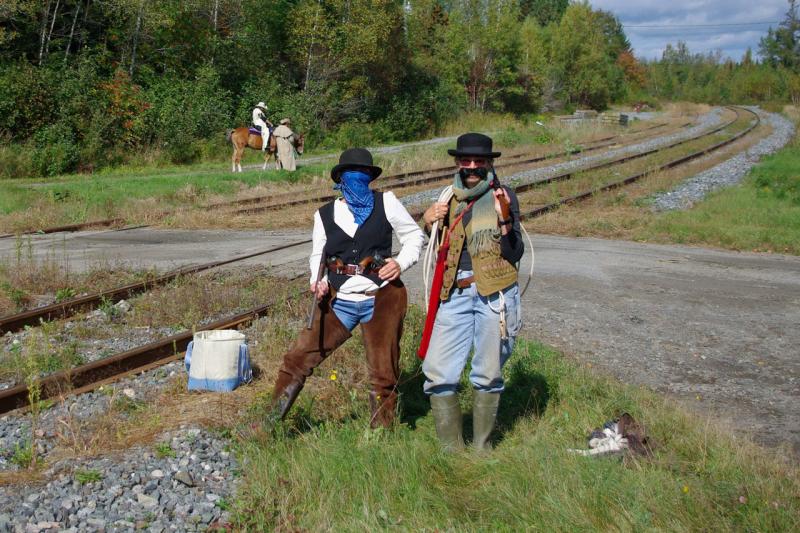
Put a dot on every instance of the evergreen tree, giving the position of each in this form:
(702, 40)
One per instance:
(544, 11)
(782, 45)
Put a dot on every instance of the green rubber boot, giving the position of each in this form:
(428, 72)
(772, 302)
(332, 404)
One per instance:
(484, 414)
(447, 418)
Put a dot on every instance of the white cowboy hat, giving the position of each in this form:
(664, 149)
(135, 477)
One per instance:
(285, 121)
(261, 104)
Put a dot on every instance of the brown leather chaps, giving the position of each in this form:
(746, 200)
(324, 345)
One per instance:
(381, 342)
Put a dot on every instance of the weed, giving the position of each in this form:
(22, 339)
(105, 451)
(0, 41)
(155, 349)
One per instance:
(111, 311)
(23, 455)
(44, 405)
(128, 405)
(18, 296)
(87, 476)
(164, 449)
(36, 343)
(65, 293)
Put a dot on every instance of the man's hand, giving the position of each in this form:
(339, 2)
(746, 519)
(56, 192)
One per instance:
(435, 212)
(321, 289)
(390, 271)
(498, 194)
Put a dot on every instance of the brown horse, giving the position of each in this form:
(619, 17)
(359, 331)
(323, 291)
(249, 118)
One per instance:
(242, 138)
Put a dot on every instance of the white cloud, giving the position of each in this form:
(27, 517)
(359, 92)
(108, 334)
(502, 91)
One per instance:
(678, 20)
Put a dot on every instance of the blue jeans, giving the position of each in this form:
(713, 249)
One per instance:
(351, 314)
(469, 322)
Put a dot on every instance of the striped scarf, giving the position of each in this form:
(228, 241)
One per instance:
(483, 234)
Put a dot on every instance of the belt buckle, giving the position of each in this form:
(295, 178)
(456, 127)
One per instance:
(353, 270)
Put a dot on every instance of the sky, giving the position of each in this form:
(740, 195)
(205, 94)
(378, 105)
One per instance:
(705, 25)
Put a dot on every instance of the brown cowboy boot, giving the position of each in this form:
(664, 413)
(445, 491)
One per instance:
(447, 419)
(283, 398)
(484, 414)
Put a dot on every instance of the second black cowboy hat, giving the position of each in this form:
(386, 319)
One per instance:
(355, 157)
(474, 144)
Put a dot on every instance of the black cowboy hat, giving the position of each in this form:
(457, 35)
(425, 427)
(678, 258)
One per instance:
(474, 144)
(355, 157)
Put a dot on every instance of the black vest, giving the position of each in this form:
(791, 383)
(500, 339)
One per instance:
(372, 237)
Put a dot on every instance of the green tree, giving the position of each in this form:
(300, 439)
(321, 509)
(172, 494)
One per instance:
(583, 51)
(544, 11)
(782, 45)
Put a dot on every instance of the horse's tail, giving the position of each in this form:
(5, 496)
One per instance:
(228, 135)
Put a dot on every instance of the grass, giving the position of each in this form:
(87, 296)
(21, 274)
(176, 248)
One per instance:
(81, 198)
(324, 470)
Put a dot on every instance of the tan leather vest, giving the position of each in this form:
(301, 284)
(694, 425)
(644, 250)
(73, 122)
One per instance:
(492, 272)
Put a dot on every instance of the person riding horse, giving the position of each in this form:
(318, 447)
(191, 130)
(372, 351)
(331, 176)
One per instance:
(260, 121)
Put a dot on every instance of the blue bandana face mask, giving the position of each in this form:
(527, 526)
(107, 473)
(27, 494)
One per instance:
(359, 197)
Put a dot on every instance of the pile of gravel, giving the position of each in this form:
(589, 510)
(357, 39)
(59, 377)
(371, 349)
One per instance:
(704, 122)
(183, 485)
(731, 171)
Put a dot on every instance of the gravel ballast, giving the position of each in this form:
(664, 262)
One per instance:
(184, 486)
(731, 171)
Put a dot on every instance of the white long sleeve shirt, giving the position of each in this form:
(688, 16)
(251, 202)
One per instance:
(258, 117)
(408, 233)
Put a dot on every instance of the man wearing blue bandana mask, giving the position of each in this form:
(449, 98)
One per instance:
(354, 185)
(353, 237)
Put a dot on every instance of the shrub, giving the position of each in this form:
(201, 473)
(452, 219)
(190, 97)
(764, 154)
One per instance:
(16, 161)
(55, 150)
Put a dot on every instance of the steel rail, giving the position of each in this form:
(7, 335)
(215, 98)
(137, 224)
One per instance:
(70, 307)
(541, 210)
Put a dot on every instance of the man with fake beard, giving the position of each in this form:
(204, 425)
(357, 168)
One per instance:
(352, 238)
(479, 308)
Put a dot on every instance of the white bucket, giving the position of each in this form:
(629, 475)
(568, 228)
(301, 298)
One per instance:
(218, 360)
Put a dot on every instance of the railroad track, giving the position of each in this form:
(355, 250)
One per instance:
(275, 201)
(420, 177)
(90, 376)
(71, 307)
(537, 211)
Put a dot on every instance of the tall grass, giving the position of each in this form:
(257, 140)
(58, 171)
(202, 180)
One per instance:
(329, 472)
